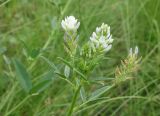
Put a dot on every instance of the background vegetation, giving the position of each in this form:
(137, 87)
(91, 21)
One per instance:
(27, 24)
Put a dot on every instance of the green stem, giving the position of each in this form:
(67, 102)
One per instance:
(49, 40)
(43, 48)
(73, 101)
(65, 8)
(4, 3)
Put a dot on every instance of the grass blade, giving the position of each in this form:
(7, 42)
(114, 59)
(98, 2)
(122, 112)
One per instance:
(99, 92)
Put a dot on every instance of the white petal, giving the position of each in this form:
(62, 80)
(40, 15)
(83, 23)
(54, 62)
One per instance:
(78, 24)
(98, 30)
(108, 48)
(94, 35)
(92, 39)
(110, 40)
(102, 40)
(130, 52)
(136, 50)
(104, 45)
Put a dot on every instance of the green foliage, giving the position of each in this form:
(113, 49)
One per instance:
(43, 83)
(99, 92)
(22, 76)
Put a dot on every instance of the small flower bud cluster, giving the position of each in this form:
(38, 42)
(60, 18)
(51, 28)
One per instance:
(133, 53)
(101, 39)
(128, 66)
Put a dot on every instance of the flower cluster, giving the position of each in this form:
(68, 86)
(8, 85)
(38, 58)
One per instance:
(128, 66)
(70, 24)
(100, 42)
(102, 39)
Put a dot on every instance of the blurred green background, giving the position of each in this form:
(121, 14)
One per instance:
(133, 22)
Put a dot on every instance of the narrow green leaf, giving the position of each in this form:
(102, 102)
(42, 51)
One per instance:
(82, 91)
(43, 83)
(61, 75)
(83, 94)
(99, 92)
(65, 62)
(81, 74)
(22, 75)
(64, 78)
(103, 79)
(7, 60)
(68, 64)
(50, 63)
(67, 71)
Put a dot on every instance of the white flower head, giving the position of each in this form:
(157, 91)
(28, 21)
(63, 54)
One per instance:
(102, 37)
(70, 24)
